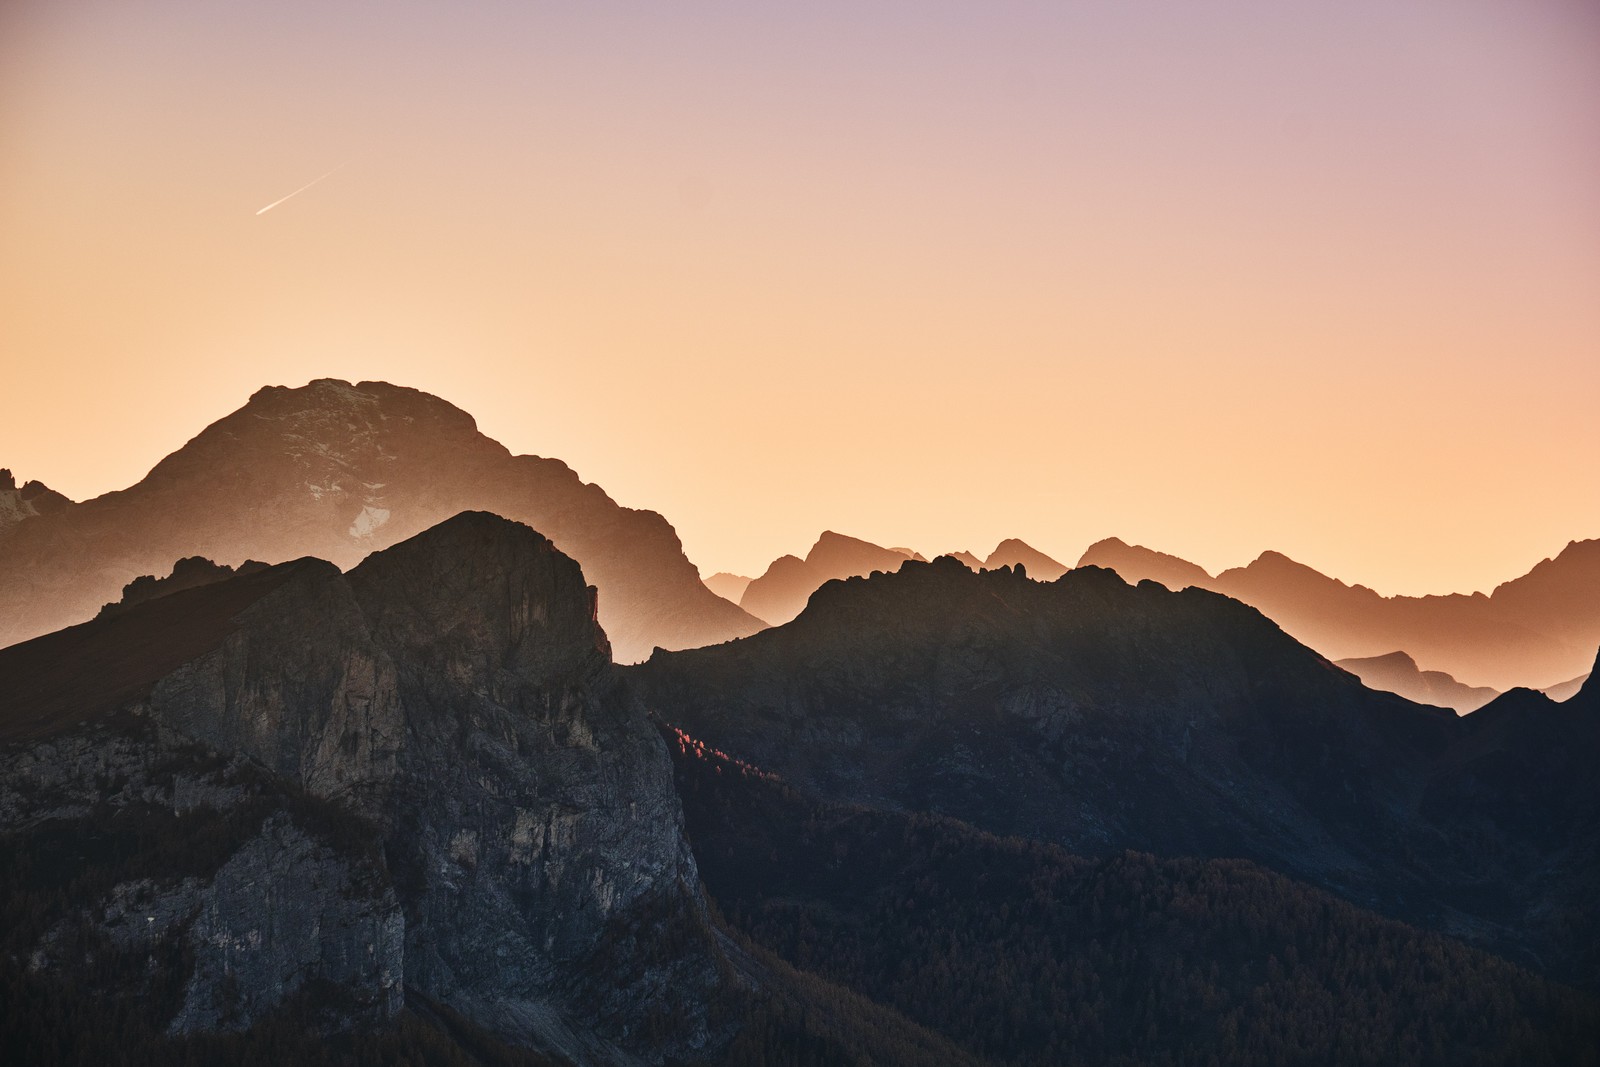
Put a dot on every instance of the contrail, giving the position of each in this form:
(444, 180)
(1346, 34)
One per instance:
(300, 190)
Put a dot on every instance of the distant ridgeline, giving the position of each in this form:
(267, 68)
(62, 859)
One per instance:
(386, 798)
(335, 471)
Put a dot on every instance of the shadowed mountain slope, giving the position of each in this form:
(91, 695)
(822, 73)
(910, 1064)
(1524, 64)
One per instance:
(407, 813)
(1102, 716)
(1032, 956)
(336, 471)
(1533, 630)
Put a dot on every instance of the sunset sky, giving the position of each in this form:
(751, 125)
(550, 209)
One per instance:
(1215, 278)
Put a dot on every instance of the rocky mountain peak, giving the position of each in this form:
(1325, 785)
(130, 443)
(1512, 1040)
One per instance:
(839, 555)
(495, 592)
(335, 471)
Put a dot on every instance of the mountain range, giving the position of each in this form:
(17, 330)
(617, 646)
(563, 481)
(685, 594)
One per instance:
(445, 812)
(786, 585)
(1101, 716)
(336, 471)
(403, 804)
(449, 823)
(1537, 630)
(1399, 673)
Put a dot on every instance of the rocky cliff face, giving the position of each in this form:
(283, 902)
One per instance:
(336, 471)
(427, 779)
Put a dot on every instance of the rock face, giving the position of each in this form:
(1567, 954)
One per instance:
(487, 818)
(29, 502)
(336, 471)
(1538, 629)
(1102, 716)
(1398, 673)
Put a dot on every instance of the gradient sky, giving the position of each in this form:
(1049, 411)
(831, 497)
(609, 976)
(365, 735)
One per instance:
(1319, 277)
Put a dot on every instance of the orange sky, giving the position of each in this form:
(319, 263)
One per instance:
(1320, 277)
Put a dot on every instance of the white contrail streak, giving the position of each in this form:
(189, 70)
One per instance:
(300, 190)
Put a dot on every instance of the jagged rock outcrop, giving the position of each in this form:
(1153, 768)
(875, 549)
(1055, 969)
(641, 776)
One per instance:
(186, 574)
(335, 471)
(428, 777)
(29, 502)
(1399, 673)
(1104, 716)
(1532, 630)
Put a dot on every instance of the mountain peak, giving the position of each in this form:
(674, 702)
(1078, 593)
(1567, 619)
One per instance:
(834, 551)
(1136, 563)
(338, 470)
(1012, 551)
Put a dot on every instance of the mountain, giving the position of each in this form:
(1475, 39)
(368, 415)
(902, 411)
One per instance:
(1011, 552)
(783, 589)
(444, 796)
(336, 471)
(30, 501)
(1565, 690)
(729, 587)
(1531, 629)
(1101, 716)
(406, 813)
(1136, 563)
(1026, 954)
(1398, 673)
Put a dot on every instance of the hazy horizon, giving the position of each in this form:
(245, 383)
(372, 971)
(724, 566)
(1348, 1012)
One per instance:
(1318, 280)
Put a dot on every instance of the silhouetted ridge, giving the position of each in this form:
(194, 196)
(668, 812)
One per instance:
(781, 592)
(1011, 552)
(186, 573)
(1135, 562)
(1533, 629)
(1100, 715)
(57, 681)
(336, 471)
(1399, 673)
